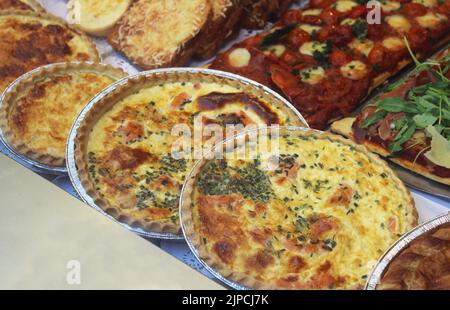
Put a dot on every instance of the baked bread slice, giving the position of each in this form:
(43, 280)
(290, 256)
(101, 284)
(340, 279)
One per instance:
(31, 5)
(159, 33)
(225, 23)
(96, 17)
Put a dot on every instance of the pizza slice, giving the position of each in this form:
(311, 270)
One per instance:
(326, 59)
(410, 122)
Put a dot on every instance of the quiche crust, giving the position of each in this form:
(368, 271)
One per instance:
(41, 78)
(132, 86)
(195, 238)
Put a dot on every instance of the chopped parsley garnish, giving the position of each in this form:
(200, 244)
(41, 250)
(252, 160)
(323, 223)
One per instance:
(250, 181)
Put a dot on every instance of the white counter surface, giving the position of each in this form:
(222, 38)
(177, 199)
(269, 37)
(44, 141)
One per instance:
(44, 230)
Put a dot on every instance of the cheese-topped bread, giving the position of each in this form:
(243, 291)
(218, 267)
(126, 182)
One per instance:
(96, 17)
(314, 211)
(161, 33)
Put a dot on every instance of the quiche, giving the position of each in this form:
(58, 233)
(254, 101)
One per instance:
(29, 40)
(126, 147)
(21, 5)
(327, 58)
(313, 211)
(39, 109)
(424, 264)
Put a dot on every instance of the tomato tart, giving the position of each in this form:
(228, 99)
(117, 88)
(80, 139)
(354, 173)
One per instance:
(327, 58)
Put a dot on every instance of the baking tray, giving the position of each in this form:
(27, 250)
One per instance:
(70, 149)
(403, 242)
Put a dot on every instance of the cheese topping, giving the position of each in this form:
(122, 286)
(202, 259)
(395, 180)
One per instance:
(364, 46)
(354, 70)
(278, 49)
(239, 58)
(399, 23)
(389, 6)
(348, 21)
(344, 5)
(427, 3)
(312, 12)
(309, 48)
(309, 28)
(393, 43)
(312, 75)
(431, 20)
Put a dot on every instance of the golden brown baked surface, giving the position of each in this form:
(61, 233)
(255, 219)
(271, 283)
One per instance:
(20, 5)
(37, 117)
(29, 40)
(319, 220)
(154, 34)
(423, 265)
(126, 159)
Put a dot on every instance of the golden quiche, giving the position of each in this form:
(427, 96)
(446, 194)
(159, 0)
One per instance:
(124, 146)
(29, 40)
(38, 111)
(317, 219)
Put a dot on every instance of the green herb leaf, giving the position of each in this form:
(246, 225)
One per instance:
(424, 120)
(378, 115)
(395, 104)
(402, 136)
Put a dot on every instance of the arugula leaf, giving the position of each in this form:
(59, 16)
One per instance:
(277, 35)
(378, 115)
(424, 120)
(395, 104)
(402, 136)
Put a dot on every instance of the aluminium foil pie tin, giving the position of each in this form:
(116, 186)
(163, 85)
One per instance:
(384, 262)
(164, 75)
(22, 159)
(195, 252)
(29, 78)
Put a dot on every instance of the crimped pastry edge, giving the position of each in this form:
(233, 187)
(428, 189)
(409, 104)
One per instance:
(147, 79)
(25, 82)
(219, 269)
